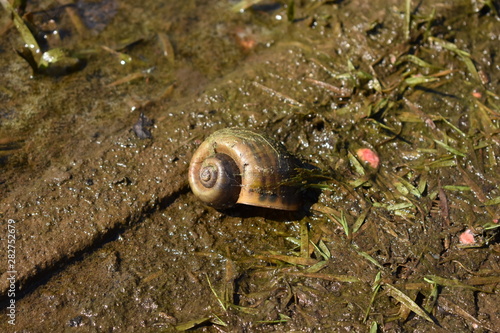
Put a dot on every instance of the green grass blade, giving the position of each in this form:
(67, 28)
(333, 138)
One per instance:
(450, 149)
(406, 301)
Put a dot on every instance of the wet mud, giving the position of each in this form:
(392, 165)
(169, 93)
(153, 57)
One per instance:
(395, 108)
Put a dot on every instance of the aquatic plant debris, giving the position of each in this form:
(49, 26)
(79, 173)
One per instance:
(406, 301)
(56, 61)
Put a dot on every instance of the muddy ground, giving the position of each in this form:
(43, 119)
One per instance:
(105, 234)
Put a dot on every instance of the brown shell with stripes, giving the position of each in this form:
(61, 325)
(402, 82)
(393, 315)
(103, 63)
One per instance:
(239, 166)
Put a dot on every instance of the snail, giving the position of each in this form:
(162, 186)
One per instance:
(239, 166)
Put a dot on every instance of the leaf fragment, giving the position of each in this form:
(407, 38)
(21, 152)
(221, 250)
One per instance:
(406, 301)
(294, 260)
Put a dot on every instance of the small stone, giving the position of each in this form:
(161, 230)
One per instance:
(467, 237)
(56, 176)
(142, 127)
(368, 156)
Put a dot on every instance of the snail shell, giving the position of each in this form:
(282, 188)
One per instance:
(238, 166)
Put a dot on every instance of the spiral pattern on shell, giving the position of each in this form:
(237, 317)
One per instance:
(239, 166)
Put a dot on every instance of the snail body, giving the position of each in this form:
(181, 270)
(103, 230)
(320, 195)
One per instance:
(239, 166)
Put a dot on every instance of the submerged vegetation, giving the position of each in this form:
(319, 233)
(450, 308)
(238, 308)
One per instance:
(431, 111)
(55, 61)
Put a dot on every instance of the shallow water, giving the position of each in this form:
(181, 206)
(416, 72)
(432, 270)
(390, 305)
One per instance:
(109, 236)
